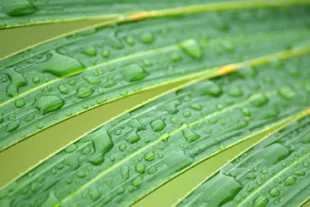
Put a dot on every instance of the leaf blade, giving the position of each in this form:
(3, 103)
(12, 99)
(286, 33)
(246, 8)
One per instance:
(275, 190)
(30, 13)
(189, 138)
(64, 80)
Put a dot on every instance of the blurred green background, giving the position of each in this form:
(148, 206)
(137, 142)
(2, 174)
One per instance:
(27, 153)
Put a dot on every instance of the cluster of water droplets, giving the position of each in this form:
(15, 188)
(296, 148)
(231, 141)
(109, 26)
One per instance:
(70, 75)
(273, 173)
(122, 160)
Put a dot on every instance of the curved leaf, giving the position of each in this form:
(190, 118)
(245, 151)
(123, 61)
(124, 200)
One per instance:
(30, 12)
(273, 173)
(127, 158)
(63, 78)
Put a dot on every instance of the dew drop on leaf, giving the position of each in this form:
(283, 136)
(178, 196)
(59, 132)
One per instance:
(18, 8)
(287, 92)
(62, 88)
(20, 103)
(90, 51)
(158, 125)
(140, 168)
(133, 73)
(261, 201)
(147, 38)
(189, 135)
(192, 48)
(47, 104)
(12, 126)
(290, 180)
(149, 156)
(84, 92)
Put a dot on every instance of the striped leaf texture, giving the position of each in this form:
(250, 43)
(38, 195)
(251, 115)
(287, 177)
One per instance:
(30, 12)
(60, 79)
(273, 173)
(125, 159)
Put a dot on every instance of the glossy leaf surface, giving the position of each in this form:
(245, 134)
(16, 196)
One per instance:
(63, 78)
(127, 158)
(273, 173)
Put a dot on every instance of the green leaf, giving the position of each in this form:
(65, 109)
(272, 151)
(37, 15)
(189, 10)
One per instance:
(30, 12)
(80, 72)
(273, 173)
(127, 158)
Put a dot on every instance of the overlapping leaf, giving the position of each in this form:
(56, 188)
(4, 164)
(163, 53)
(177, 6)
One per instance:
(273, 173)
(30, 12)
(60, 79)
(125, 159)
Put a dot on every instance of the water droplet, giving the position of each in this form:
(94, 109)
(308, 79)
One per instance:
(33, 187)
(122, 147)
(250, 188)
(149, 156)
(259, 100)
(235, 91)
(18, 8)
(92, 80)
(20, 103)
(63, 89)
(192, 48)
(228, 46)
(287, 92)
(187, 114)
(84, 92)
(175, 57)
(246, 111)
(158, 125)
(105, 53)
(72, 82)
(171, 107)
(274, 192)
(29, 117)
(47, 104)
(147, 38)
(71, 148)
(299, 172)
(264, 171)
(61, 65)
(51, 200)
(210, 88)
(140, 168)
(196, 106)
(152, 170)
(97, 159)
(147, 63)
(290, 180)
(12, 126)
(90, 51)
(86, 151)
(133, 73)
(94, 193)
(261, 201)
(189, 135)
(36, 79)
(132, 137)
(137, 181)
(81, 174)
(124, 172)
(251, 176)
(130, 40)
(17, 81)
